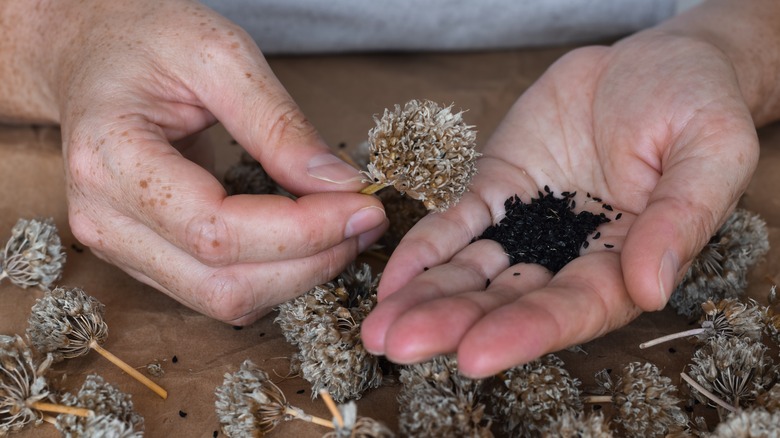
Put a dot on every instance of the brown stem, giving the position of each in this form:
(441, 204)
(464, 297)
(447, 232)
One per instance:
(61, 409)
(373, 188)
(597, 399)
(129, 370)
(334, 410)
(299, 414)
(662, 339)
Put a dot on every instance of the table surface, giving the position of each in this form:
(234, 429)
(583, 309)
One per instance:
(339, 94)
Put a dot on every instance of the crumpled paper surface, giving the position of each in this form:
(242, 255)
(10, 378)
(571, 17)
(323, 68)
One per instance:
(339, 94)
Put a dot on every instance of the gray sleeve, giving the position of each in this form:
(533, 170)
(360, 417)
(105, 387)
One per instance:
(317, 26)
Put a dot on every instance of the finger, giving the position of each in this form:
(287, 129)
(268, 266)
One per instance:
(237, 294)
(188, 207)
(585, 300)
(699, 186)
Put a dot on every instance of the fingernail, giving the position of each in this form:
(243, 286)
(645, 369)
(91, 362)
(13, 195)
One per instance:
(330, 168)
(667, 274)
(364, 220)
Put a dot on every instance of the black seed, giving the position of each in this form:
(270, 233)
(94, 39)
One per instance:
(174, 359)
(233, 141)
(689, 409)
(566, 194)
(596, 407)
(597, 235)
(237, 327)
(607, 207)
(426, 268)
(516, 274)
(262, 334)
(597, 199)
(182, 414)
(342, 145)
(487, 283)
(672, 350)
(573, 205)
(300, 391)
(607, 245)
(609, 370)
(588, 193)
(76, 248)
(547, 189)
(215, 434)
(619, 215)
(585, 244)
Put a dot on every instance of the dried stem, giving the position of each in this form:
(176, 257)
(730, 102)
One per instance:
(597, 399)
(373, 188)
(334, 410)
(129, 370)
(662, 339)
(61, 409)
(717, 400)
(299, 414)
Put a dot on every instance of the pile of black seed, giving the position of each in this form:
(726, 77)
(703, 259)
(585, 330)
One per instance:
(546, 231)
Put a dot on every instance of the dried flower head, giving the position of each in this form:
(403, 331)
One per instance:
(402, 213)
(357, 427)
(425, 151)
(65, 322)
(324, 324)
(572, 424)
(437, 401)
(735, 369)
(247, 177)
(645, 401)
(534, 394)
(22, 384)
(33, 256)
(749, 423)
(770, 400)
(720, 270)
(113, 411)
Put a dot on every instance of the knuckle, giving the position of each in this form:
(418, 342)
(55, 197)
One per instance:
(209, 239)
(228, 297)
(284, 122)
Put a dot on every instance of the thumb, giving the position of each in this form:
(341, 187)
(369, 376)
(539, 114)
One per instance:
(699, 187)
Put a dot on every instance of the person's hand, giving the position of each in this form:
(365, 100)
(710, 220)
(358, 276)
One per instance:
(138, 77)
(656, 126)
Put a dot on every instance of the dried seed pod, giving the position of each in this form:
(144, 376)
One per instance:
(572, 424)
(33, 256)
(324, 324)
(437, 401)
(22, 385)
(727, 317)
(720, 270)
(735, 369)
(749, 423)
(67, 323)
(645, 401)
(534, 394)
(357, 427)
(423, 150)
(113, 410)
(249, 404)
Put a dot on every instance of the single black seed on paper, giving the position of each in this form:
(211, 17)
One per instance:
(672, 350)
(596, 407)
(545, 231)
(262, 334)
(342, 145)
(215, 434)
(237, 327)
(174, 359)
(182, 414)
(607, 245)
(76, 248)
(300, 391)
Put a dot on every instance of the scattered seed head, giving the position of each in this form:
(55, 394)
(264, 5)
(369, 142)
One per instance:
(65, 321)
(357, 427)
(645, 401)
(437, 401)
(33, 255)
(731, 317)
(248, 403)
(736, 369)
(324, 324)
(752, 422)
(22, 382)
(573, 424)
(533, 394)
(425, 151)
(113, 410)
(720, 270)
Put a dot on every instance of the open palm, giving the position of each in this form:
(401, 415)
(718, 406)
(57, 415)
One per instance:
(655, 126)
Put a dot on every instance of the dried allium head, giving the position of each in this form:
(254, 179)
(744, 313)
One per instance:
(645, 402)
(573, 424)
(720, 270)
(22, 383)
(425, 151)
(534, 394)
(437, 401)
(113, 411)
(249, 403)
(247, 177)
(735, 369)
(731, 317)
(33, 255)
(770, 400)
(64, 322)
(357, 427)
(749, 423)
(402, 212)
(324, 324)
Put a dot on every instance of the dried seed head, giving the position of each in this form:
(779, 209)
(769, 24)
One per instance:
(437, 401)
(770, 400)
(64, 322)
(735, 369)
(752, 422)
(645, 401)
(113, 411)
(402, 213)
(730, 317)
(249, 403)
(22, 382)
(533, 394)
(572, 424)
(247, 177)
(425, 151)
(324, 324)
(33, 255)
(720, 270)
(357, 427)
